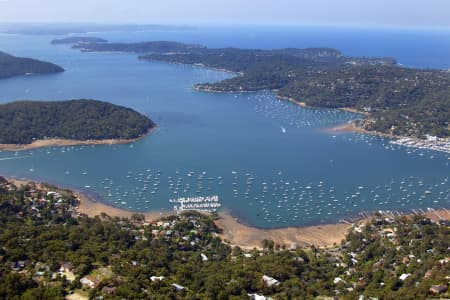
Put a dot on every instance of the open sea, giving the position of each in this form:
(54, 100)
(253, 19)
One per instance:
(271, 162)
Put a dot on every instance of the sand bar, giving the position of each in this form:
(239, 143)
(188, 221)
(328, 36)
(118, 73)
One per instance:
(247, 237)
(94, 208)
(302, 104)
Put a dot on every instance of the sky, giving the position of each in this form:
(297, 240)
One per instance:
(404, 13)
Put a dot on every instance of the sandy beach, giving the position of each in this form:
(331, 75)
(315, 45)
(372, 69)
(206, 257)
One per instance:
(302, 104)
(354, 110)
(94, 208)
(248, 237)
(236, 233)
(346, 127)
(65, 142)
(351, 127)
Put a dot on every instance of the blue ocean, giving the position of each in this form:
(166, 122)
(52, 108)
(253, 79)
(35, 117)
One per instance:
(270, 162)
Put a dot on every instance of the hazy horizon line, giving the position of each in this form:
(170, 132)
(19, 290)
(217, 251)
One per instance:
(225, 24)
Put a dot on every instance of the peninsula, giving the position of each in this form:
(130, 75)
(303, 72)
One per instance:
(30, 124)
(11, 66)
(78, 40)
(143, 47)
(396, 100)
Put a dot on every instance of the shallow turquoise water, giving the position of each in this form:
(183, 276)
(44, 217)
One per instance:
(269, 161)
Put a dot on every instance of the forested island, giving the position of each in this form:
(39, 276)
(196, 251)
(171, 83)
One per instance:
(24, 122)
(50, 251)
(14, 66)
(78, 40)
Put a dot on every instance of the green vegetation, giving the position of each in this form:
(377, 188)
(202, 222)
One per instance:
(400, 101)
(78, 40)
(145, 47)
(24, 121)
(49, 250)
(14, 66)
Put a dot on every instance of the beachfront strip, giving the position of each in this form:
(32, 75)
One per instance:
(398, 257)
(431, 143)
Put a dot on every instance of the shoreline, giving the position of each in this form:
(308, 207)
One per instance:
(347, 127)
(440, 145)
(186, 64)
(91, 207)
(351, 127)
(300, 103)
(67, 142)
(236, 233)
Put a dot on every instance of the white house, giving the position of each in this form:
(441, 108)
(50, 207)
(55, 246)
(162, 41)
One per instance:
(270, 281)
(404, 276)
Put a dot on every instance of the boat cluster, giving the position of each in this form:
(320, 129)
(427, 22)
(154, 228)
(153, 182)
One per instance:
(209, 203)
(275, 200)
(435, 144)
(283, 112)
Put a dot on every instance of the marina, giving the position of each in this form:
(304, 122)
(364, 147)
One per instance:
(208, 204)
(431, 143)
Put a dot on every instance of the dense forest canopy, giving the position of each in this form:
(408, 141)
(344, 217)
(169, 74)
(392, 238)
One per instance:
(49, 250)
(24, 121)
(401, 101)
(13, 66)
(143, 47)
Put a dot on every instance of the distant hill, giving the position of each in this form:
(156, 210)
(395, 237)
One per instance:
(14, 66)
(23, 121)
(78, 40)
(144, 47)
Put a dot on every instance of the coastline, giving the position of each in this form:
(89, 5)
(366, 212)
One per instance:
(186, 64)
(340, 128)
(439, 144)
(351, 127)
(302, 104)
(91, 207)
(234, 232)
(247, 237)
(67, 142)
